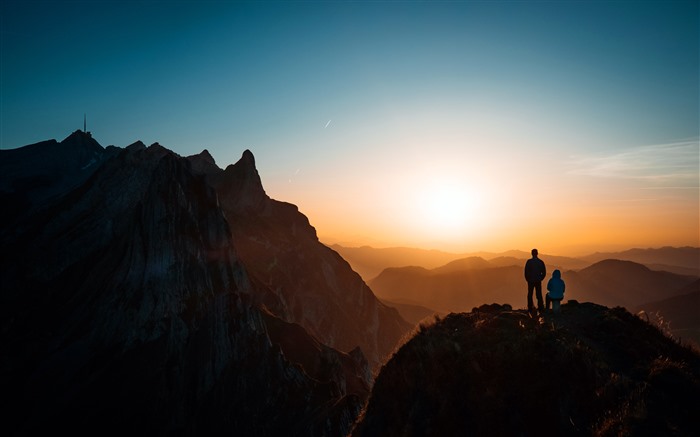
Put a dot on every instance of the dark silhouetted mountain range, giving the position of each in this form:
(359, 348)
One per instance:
(147, 293)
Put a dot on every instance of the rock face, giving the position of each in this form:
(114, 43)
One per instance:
(34, 174)
(126, 307)
(590, 370)
(295, 276)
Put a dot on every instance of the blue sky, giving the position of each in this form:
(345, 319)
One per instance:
(338, 100)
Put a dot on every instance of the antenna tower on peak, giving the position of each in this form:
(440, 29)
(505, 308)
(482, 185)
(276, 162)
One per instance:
(85, 125)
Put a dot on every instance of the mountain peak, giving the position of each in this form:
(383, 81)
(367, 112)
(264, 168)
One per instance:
(203, 163)
(79, 134)
(135, 146)
(82, 140)
(206, 156)
(241, 186)
(248, 158)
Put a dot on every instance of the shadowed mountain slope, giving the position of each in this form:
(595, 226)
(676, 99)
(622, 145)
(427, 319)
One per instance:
(411, 312)
(452, 291)
(678, 314)
(125, 308)
(624, 283)
(591, 370)
(296, 277)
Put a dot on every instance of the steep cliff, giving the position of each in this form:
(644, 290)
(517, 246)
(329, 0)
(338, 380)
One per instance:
(125, 308)
(295, 276)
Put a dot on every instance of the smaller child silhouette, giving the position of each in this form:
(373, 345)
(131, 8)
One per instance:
(555, 290)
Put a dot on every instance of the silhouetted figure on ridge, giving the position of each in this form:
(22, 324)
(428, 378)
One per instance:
(555, 291)
(535, 272)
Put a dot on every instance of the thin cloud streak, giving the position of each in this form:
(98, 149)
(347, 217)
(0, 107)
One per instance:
(677, 163)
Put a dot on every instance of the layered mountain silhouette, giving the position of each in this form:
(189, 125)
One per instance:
(590, 370)
(143, 292)
(625, 283)
(681, 260)
(467, 283)
(370, 261)
(677, 314)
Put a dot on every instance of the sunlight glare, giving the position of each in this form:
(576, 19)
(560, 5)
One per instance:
(448, 207)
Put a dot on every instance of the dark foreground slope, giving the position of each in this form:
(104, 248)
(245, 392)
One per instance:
(590, 371)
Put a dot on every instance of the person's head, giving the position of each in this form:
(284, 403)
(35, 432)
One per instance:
(534, 253)
(556, 274)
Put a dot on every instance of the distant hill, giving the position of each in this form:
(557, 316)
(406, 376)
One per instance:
(624, 283)
(680, 313)
(458, 287)
(369, 262)
(469, 263)
(591, 371)
(664, 257)
(452, 291)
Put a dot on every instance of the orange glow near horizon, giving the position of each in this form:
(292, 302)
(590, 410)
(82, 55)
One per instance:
(461, 208)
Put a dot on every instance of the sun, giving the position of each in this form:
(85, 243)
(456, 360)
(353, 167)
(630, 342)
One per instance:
(447, 206)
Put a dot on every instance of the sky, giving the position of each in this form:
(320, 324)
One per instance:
(570, 126)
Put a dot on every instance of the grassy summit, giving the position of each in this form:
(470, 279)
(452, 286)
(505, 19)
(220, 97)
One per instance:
(590, 370)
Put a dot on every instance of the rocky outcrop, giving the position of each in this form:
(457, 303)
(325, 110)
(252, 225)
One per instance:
(296, 277)
(590, 370)
(125, 308)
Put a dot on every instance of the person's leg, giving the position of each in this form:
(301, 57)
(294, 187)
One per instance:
(530, 288)
(556, 308)
(548, 301)
(538, 289)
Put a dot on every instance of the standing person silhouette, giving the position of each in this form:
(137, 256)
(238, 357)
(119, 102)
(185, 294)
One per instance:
(535, 272)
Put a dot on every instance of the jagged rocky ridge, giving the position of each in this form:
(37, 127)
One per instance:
(296, 277)
(591, 370)
(127, 307)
